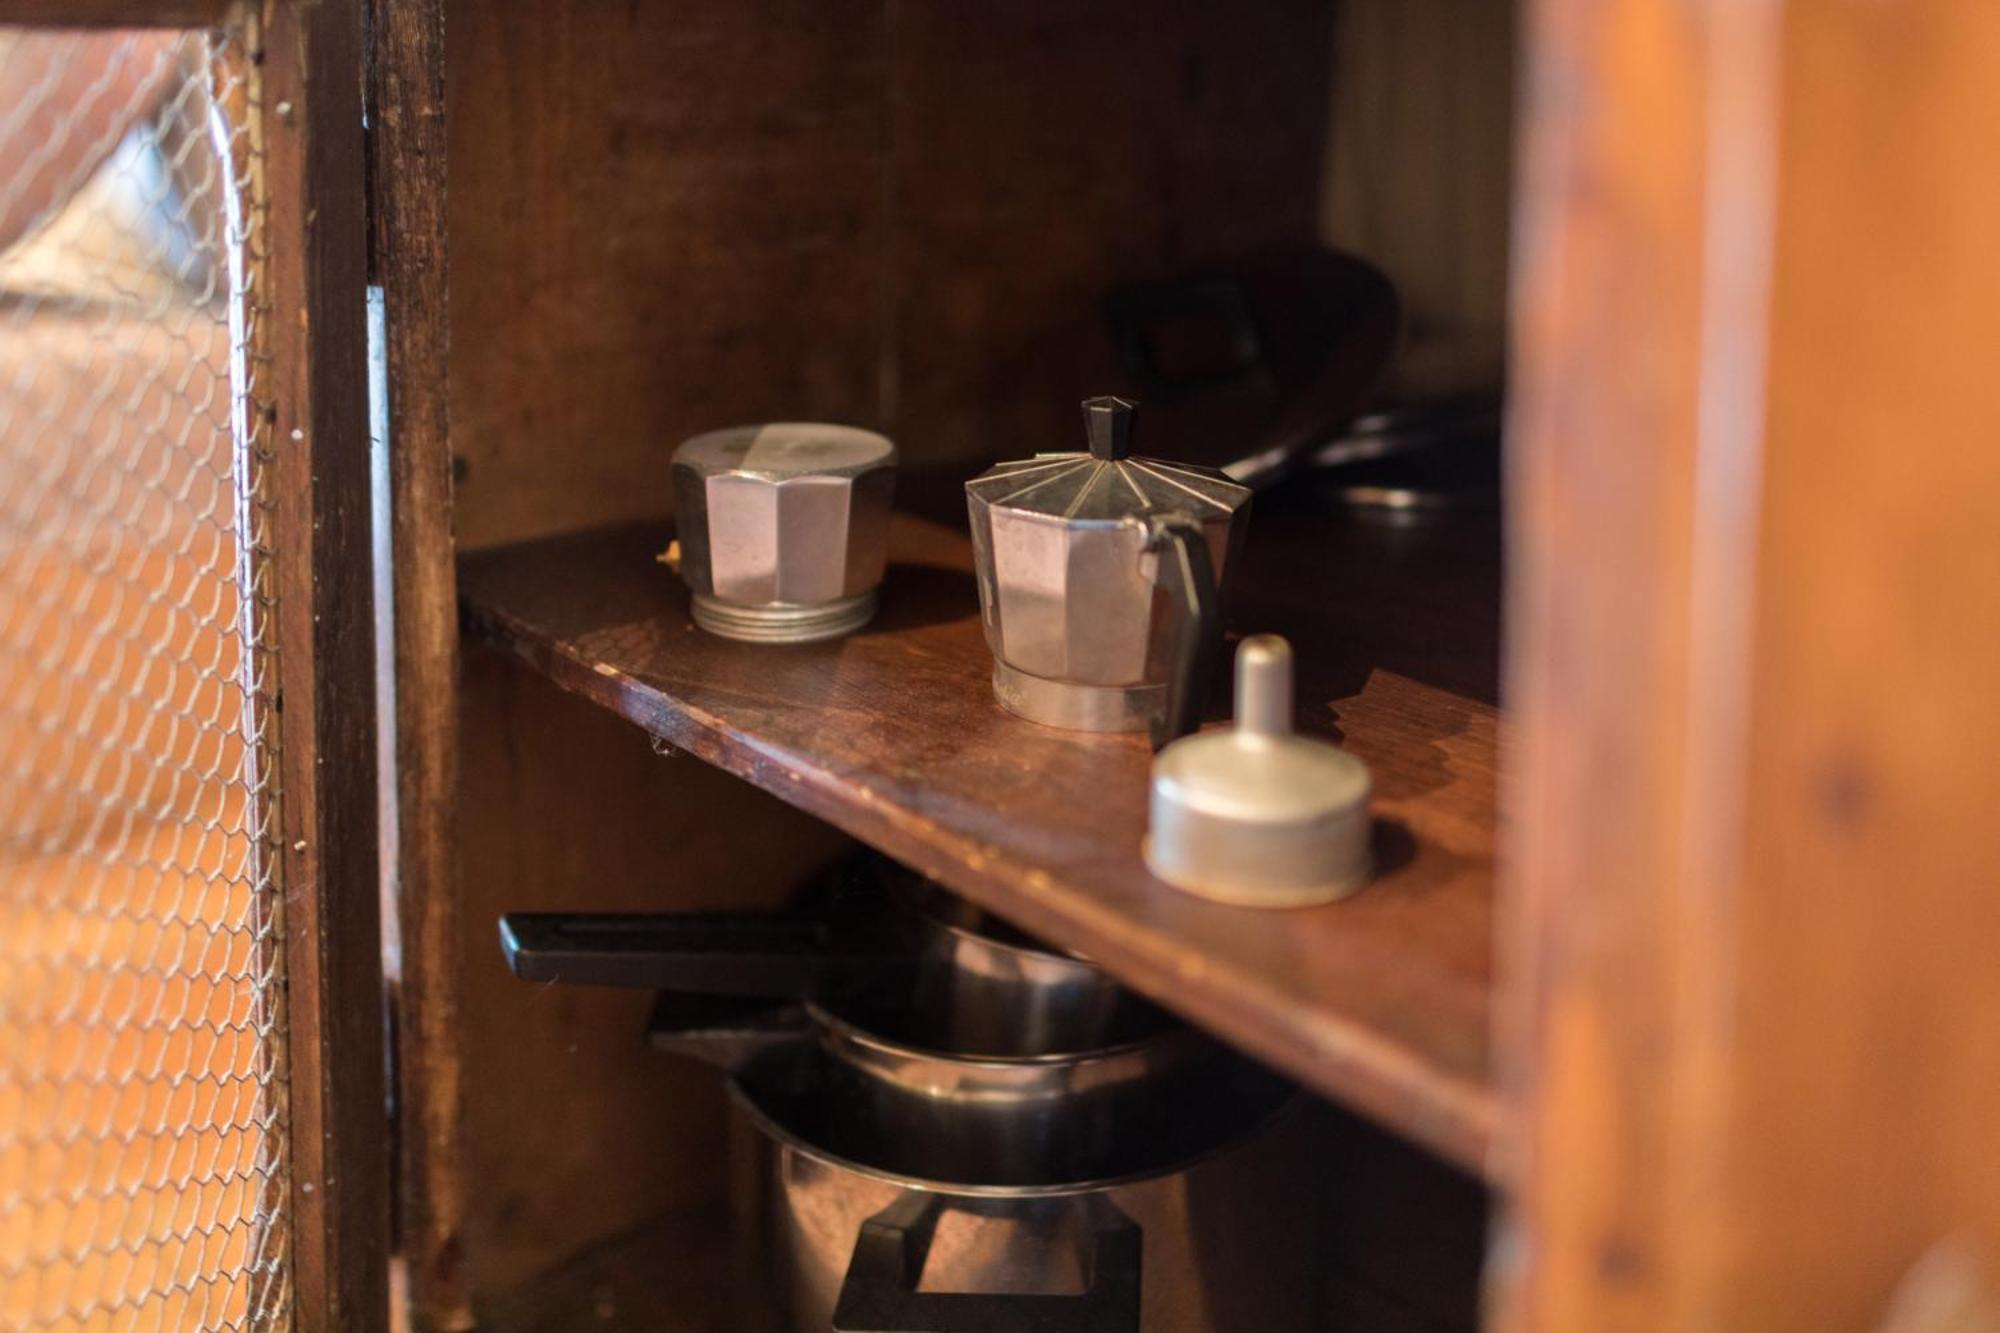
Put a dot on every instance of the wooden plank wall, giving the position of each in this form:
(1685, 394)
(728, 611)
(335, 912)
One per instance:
(663, 218)
(574, 1130)
(669, 217)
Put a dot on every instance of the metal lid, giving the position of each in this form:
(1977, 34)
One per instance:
(1259, 816)
(782, 450)
(1107, 484)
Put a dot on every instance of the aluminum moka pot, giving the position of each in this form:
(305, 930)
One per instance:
(783, 528)
(1100, 578)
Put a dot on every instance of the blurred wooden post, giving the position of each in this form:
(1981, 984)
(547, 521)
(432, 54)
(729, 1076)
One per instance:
(1754, 884)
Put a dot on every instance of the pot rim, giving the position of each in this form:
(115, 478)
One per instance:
(848, 1031)
(772, 1128)
(943, 910)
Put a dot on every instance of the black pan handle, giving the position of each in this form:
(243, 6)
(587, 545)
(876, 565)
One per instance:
(711, 953)
(1188, 576)
(880, 1292)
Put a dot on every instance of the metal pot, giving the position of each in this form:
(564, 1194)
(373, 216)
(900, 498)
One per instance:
(1100, 578)
(985, 988)
(1204, 1241)
(1115, 1185)
(1001, 1058)
(886, 951)
(1003, 1120)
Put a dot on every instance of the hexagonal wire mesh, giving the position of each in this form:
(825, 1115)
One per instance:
(142, 1046)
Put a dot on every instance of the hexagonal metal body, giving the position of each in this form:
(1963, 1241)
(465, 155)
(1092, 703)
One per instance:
(1067, 585)
(784, 528)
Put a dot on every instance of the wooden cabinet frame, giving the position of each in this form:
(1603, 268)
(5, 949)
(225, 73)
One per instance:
(1752, 1071)
(317, 238)
(305, 57)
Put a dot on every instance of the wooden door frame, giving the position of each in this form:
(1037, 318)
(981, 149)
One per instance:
(303, 135)
(1748, 896)
(117, 13)
(302, 127)
(315, 336)
(1629, 495)
(408, 244)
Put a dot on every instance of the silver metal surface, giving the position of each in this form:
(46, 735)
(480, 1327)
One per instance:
(894, 1068)
(1258, 816)
(781, 622)
(1009, 1122)
(958, 1045)
(783, 528)
(983, 988)
(144, 1132)
(1222, 1245)
(1067, 586)
(1074, 705)
(1005, 1120)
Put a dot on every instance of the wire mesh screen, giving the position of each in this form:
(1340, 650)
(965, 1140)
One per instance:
(142, 1051)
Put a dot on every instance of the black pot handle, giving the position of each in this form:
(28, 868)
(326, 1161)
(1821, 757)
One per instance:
(1188, 576)
(710, 953)
(880, 1292)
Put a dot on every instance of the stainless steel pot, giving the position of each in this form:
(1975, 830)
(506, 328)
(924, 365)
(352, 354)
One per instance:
(1214, 1240)
(1007, 1060)
(1117, 1185)
(1003, 1120)
(986, 988)
(885, 950)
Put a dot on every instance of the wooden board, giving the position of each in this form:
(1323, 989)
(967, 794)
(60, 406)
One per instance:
(311, 351)
(1754, 645)
(115, 13)
(893, 736)
(663, 218)
(1162, 137)
(408, 183)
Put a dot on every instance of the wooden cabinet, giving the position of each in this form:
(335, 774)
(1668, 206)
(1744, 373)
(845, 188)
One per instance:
(1676, 957)
(1671, 1006)
(906, 217)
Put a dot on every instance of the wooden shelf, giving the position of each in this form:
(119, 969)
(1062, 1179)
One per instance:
(1380, 1002)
